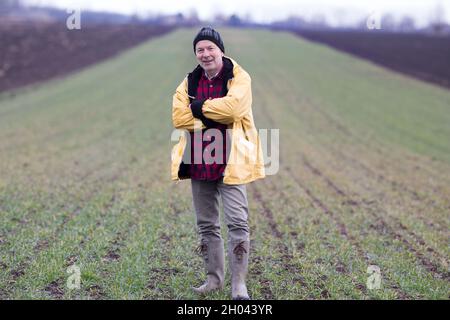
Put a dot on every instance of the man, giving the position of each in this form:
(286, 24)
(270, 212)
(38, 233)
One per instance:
(214, 101)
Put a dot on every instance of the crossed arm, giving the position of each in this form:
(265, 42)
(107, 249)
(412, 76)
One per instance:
(233, 107)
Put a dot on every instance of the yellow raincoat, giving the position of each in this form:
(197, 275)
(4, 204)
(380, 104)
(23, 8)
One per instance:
(245, 163)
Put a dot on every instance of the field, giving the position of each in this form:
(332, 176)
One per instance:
(33, 52)
(364, 178)
(423, 56)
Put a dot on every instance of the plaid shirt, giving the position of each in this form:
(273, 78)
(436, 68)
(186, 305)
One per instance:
(209, 89)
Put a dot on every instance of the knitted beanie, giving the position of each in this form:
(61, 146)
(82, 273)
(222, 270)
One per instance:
(208, 33)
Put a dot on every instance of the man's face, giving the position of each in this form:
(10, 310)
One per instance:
(209, 56)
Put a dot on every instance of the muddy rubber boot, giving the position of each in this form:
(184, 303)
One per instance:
(212, 252)
(238, 257)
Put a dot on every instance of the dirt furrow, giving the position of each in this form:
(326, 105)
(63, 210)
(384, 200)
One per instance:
(393, 184)
(348, 134)
(380, 177)
(343, 231)
(352, 137)
(354, 202)
(287, 257)
(429, 265)
(317, 202)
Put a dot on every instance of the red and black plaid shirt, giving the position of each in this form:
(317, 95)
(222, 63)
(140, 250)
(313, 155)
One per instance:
(210, 171)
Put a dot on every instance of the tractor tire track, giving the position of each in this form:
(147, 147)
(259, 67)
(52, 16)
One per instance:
(345, 131)
(317, 202)
(429, 265)
(286, 256)
(380, 177)
(314, 201)
(343, 231)
(394, 185)
(353, 202)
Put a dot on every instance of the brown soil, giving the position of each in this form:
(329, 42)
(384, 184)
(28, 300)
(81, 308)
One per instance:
(35, 52)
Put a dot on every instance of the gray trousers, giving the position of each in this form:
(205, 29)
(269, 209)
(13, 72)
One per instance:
(205, 196)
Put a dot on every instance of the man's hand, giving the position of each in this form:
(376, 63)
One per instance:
(196, 109)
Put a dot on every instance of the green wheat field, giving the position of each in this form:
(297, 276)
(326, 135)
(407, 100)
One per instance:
(364, 178)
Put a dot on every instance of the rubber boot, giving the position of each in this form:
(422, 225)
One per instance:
(238, 252)
(212, 252)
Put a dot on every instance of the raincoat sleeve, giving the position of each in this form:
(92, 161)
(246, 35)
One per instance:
(182, 117)
(235, 105)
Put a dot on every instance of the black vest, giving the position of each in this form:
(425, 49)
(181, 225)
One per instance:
(193, 80)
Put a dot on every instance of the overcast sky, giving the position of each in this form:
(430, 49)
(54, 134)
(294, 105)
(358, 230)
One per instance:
(335, 11)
